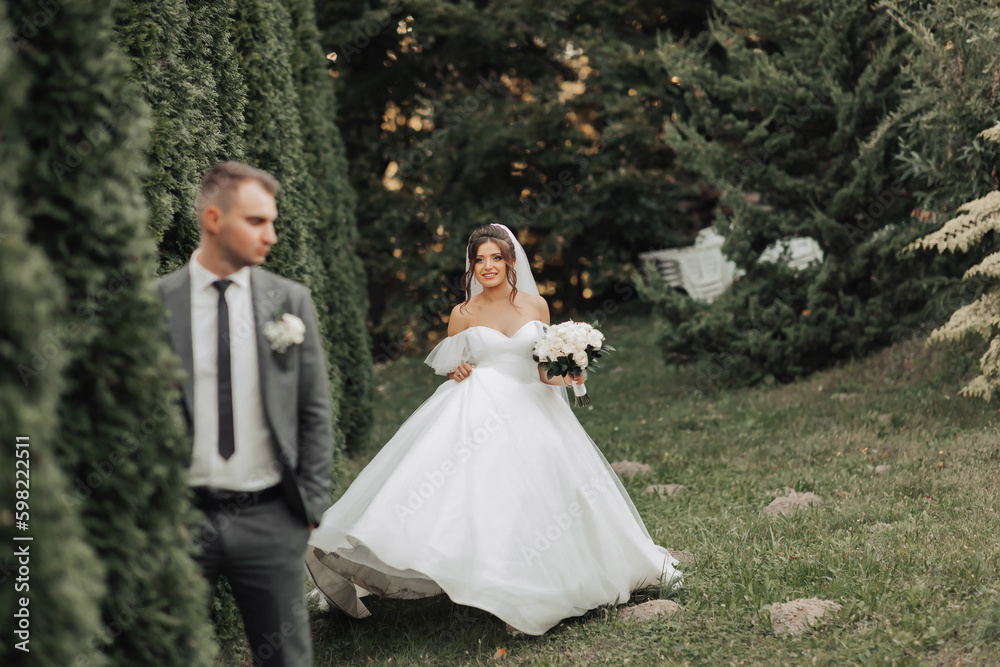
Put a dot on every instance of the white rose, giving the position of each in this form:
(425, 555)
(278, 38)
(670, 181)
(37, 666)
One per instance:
(595, 339)
(581, 359)
(296, 328)
(290, 330)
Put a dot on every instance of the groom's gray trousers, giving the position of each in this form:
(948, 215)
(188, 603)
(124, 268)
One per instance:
(259, 548)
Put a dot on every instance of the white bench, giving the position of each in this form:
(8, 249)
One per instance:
(703, 272)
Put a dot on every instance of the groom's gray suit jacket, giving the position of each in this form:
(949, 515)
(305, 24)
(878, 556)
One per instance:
(294, 383)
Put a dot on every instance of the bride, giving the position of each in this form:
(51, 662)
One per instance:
(491, 492)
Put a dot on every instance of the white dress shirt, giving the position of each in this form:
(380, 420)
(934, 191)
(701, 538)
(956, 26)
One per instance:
(254, 465)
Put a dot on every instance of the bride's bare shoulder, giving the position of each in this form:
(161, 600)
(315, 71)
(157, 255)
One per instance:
(460, 319)
(535, 304)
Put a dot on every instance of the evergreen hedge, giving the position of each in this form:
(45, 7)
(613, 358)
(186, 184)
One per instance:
(343, 305)
(248, 82)
(120, 439)
(65, 582)
(289, 133)
(182, 59)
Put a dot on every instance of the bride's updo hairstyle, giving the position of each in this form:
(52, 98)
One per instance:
(479, 237)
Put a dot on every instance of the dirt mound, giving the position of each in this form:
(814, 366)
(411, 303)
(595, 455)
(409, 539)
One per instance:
(791, 503)
(795, 617)
(647, 611)
(630, 468)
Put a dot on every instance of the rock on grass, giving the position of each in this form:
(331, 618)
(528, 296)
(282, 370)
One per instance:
(630, 468)
(794, 618)
(791, 503)
(683, 557)
(647, 611)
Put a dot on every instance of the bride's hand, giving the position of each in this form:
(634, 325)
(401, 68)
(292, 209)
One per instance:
(461, 372)
(574, 379)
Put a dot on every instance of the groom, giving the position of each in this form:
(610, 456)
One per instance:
(258, 410)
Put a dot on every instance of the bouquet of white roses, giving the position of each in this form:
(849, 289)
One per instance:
(570, 347)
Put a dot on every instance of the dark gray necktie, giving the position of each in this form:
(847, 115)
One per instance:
(227, 436)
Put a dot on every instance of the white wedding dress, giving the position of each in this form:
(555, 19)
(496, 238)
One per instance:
(493, 493)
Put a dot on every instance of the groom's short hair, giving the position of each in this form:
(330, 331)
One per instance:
(220, 183)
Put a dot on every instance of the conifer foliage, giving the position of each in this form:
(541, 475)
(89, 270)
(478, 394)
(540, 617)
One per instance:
(334, 232)
(952, 82)
(968, 230)
(118, 438)
(63, 586)
(780, 100)
(184, 62)
(248, 81)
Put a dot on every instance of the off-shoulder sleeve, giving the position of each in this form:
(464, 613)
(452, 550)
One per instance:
(449, 353)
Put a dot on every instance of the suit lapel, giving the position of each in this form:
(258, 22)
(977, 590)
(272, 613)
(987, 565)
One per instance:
(177, 298)
(266, 301)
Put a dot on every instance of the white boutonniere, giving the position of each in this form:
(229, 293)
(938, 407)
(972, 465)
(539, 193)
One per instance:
(281, 333)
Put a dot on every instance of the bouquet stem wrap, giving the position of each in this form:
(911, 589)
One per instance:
(580, 391)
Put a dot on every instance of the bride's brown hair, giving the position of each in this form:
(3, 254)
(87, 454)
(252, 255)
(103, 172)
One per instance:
(499, 236)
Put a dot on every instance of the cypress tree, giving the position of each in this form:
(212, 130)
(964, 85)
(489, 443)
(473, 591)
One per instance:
(224, 96)
(185, 63)
(65, 582)
(154, 35)
(183, 59)
(263, 40)
(64, 586)
(120, 439)
(343, 303)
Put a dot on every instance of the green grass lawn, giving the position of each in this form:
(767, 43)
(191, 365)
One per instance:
(910, 554)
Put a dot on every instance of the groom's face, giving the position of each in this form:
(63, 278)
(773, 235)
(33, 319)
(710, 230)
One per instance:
(245, 232)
